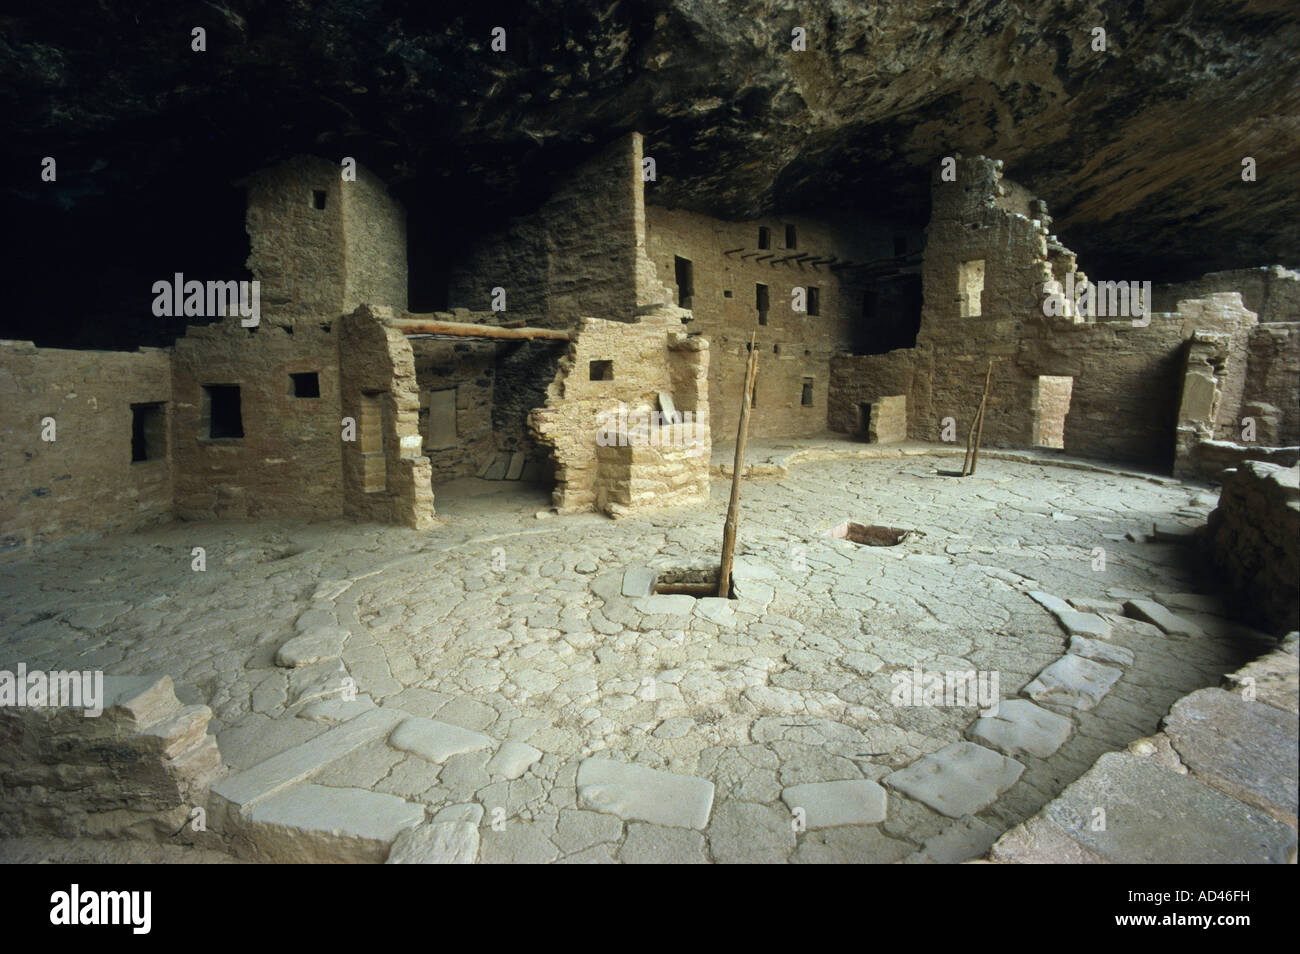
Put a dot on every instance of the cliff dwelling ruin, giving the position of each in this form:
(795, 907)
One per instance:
(453, 472)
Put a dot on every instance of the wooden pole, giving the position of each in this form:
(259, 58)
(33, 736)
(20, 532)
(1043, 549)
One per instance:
(977, 428)
(466, 329)
(733, 508)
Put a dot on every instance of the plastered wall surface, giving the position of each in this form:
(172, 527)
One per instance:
(83, 481)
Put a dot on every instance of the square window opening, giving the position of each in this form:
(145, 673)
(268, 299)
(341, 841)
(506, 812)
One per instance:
(305, 384)
(601, 371)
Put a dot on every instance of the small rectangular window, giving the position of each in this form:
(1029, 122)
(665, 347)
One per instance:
(814, 300)
(806, 398)
(221, 411)
(970, 288)
(764, 238)
(318, 198)
(148, 432)
(790, 237)
(601, 371)
(305, 384)
(684, 274)
(761, 302)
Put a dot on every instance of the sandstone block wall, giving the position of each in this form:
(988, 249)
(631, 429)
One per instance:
(84, 481)
(796, 348)
(139, 769)
(1271, 291)
(888, 421)
(385, 476)
(647, 358)
(858, 380)
(467, 369)
(1254, 539)
(986, 268)
(576, 255)
(323, 262)
(289, 460)
(1273, 380)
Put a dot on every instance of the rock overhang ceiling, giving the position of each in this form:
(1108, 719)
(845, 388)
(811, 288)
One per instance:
(1136, 149)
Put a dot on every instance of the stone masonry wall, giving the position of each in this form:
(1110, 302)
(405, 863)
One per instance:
(139, 769)
(290, 458)
(865, 379)
(649, 357)
(1273, 379)
(324, 262)
(795, 348)
(374, 232)
(1272, 292)
(1254, 539)
(575, 256)
(84, 481)
(985, 274)
(466, 367)
(378, 361)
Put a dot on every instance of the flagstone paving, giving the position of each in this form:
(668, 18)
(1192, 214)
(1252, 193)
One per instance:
(596, 723)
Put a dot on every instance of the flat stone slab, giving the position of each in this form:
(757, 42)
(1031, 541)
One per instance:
(967, 839)
(849, 802)
(716, 609)
(1084, 624)
(1248, 750)
(441, 843)
(436, 741)
(266, 779)
(320, 823)
(637, 793)
(1152, 612)
(1053, 604)
(639, 581)
(1074, 682)
(1022, 728)
(313, 645)
(960, 779)
(666, 604)
(1153, 815)
(335, 710)
(1101, 651)
(513, 759)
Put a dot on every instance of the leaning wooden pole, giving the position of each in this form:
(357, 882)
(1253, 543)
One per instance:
(733, 508)
(977, 428)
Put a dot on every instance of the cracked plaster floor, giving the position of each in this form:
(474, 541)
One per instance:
(514, 625)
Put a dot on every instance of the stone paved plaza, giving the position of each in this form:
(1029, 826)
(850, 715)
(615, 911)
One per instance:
(504, 687)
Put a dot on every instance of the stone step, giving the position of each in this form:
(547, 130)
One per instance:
(319, 824)
(236, 795)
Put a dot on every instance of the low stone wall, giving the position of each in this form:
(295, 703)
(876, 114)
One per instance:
(1254, 540)
(140, 769)
(1217, 785)
(598, 420)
